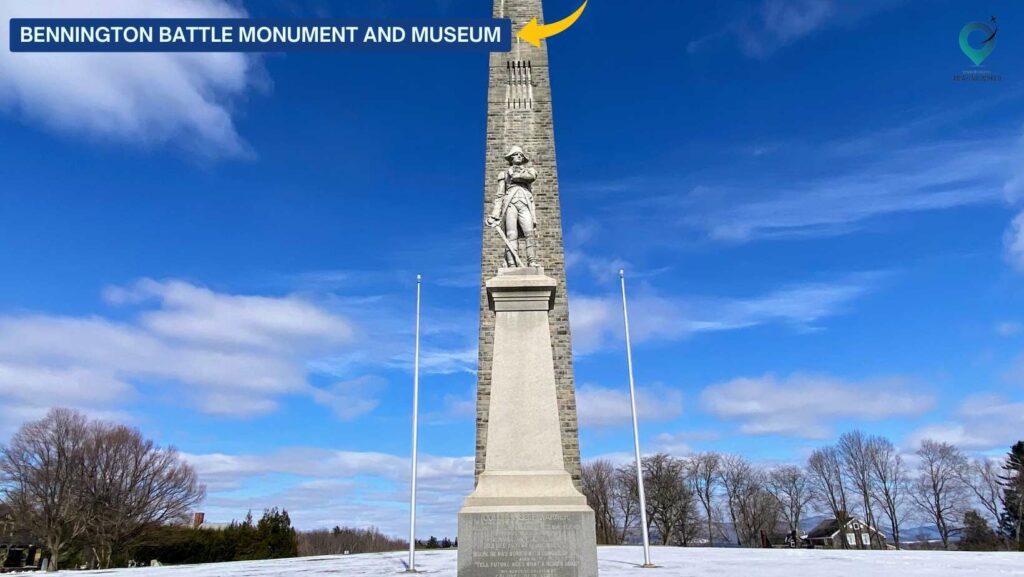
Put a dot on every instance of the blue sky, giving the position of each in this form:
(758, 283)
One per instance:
(822, 230)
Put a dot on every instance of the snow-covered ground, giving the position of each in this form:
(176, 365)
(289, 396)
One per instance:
(622, 561)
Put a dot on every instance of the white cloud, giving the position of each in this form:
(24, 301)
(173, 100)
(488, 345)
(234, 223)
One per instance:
(1013, 240)
(337, 487)
(228, 354)
(352, 398)
(934, 176)
(807, 405)
(196, 314)
(23, 383)
(681, 443)
(1013, 189)
(593, 321)
(617, 459)
(608, 407)
(456, 408)
(447, 362)
(774, 24)
(387, 322)
(184, 98)
(985, 421)
(597, 321)
(325, 463)
(1008, 328)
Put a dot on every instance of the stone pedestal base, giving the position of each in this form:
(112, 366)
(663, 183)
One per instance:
(525, 518)
(534, 542)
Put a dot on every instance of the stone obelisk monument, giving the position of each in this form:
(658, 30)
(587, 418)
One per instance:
(519, 114)
(526, 517)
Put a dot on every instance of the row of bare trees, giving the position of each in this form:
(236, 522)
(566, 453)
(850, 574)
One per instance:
(696, 498)
(691, 499)
(868, 475)
(92, 488)
(346, 540)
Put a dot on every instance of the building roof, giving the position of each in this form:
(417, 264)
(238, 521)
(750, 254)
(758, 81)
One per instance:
(830, 527)
(825, 529)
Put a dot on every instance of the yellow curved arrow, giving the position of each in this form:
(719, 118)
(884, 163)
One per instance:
(534, 32)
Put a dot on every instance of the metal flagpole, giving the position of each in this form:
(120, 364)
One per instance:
(636, 428)
(415, 423)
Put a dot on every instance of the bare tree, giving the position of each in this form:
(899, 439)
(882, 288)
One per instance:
(791, 487)
(688, 523)
(889, 478)
(752, 508)
(670, 502)
(855, 454)
(342, 540)
(825, 472)
(939, 490)
(981, 476)
(734, 475)
(43, 471)
(706, 469)
(761, 513)
(133, 487)
(93, 485)
(598, 481)
(626, 498)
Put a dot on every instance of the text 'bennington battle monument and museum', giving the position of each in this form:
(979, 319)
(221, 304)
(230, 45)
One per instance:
(526, 516)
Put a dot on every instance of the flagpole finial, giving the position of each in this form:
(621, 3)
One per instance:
(419, 278)
(622, 273)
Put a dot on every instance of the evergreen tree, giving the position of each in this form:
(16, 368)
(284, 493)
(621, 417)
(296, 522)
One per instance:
(432, 543)
(446, 543)
(1010, 523)
(977, 535)
(275, 535)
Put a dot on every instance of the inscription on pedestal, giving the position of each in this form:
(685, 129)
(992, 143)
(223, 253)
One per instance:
(522, 544)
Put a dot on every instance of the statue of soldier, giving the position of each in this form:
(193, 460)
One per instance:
(513, 206)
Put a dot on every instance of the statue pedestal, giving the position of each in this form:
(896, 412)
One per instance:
(525, 518)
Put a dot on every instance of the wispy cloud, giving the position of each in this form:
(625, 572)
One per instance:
(456, 408)
(808, 405)
(774, 24)
(353, 398)
(387, 325)
(834, 186)
(149, 99)
(912, 179)
(1013, 191)
(602, 268)
(1013, 241)
(1008, 328)
(681, 443)
(984, 421)
(597, 321)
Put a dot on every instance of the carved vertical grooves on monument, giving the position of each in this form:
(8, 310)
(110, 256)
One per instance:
(519, 85)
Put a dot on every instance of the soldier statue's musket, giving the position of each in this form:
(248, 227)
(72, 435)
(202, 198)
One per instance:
(513, 207)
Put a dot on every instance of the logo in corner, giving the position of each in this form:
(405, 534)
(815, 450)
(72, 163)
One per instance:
(979, 54)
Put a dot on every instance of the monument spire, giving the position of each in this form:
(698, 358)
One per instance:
(526, 516)
(519, 114)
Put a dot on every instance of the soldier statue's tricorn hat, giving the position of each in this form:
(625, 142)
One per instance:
(514, 150)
